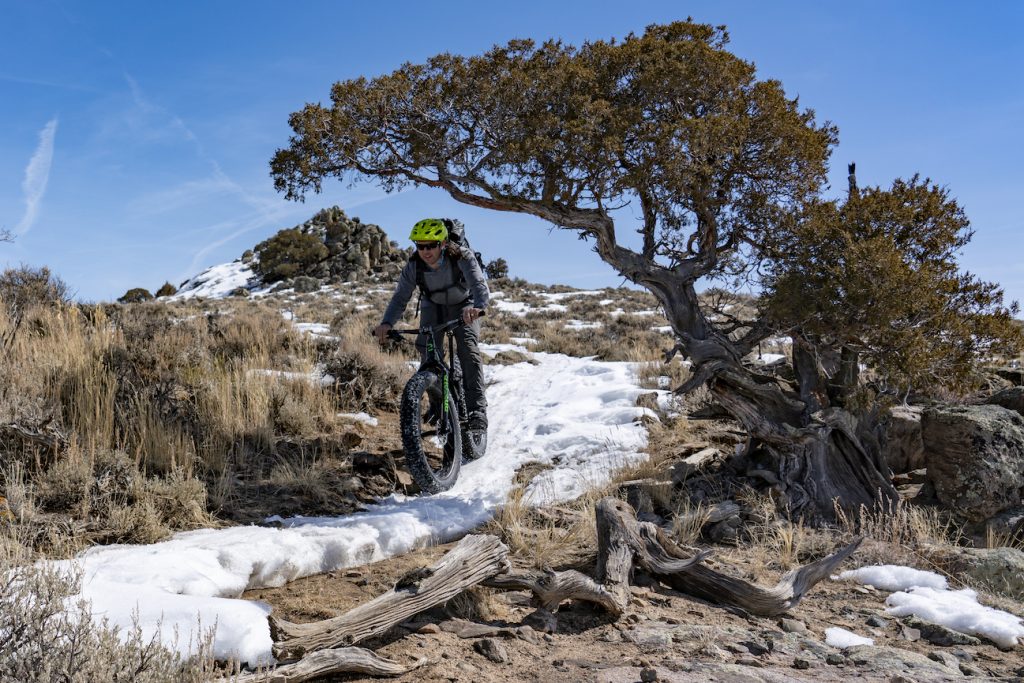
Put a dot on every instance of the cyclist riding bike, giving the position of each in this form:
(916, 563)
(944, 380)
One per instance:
(451, 285)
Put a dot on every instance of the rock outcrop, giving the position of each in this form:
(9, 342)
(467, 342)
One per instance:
(901, 442)
(975, 458)
(355, 251)
(1012, 398)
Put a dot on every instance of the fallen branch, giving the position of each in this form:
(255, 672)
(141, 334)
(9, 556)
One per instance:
(552, 588)
(474, 559)
(330, 663)
(621, 538)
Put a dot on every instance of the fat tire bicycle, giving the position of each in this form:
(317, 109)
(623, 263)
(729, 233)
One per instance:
(433, 412)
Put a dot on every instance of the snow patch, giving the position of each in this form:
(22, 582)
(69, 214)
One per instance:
(841, 638)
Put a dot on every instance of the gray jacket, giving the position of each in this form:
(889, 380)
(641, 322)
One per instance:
(443, 282)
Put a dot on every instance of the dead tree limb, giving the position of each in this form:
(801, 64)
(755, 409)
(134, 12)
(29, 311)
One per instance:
(473, 560)
(332, 662)
(552, 588)
(703, 582)
(621, 539)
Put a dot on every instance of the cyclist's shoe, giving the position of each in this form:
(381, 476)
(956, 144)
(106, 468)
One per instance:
(476, 434)
(477, 442)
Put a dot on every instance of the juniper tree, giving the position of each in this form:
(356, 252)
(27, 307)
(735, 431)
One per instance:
(726, 173)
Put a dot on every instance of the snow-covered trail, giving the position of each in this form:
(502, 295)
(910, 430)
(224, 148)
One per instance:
(577, 415)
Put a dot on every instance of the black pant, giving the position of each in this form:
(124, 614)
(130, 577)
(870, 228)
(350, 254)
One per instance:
(467, 348)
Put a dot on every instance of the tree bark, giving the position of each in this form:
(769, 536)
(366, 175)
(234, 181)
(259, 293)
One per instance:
(552, 588)
(473, 560)
(330, 663)
(618, 528)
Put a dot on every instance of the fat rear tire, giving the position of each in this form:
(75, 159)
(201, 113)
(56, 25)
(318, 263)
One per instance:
(433, 462)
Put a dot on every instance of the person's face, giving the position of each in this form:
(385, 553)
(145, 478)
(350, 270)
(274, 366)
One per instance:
(430, 252)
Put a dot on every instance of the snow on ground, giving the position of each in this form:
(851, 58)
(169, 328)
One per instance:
(521, 309)
(581, 325)
(553, 297)
(216, 282)
(925, 595)
(574, 414)
(841, 638)
(365, 418)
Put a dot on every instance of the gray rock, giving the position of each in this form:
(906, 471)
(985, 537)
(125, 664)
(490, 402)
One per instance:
(942, 636)
(892, 661)
(1000, 569)
(793, 626)
(648, 675)
(653, 633)
(1012, 398)
(492, 650)
(975, 457)
(877, 622)
(901, 442)
(947, 659)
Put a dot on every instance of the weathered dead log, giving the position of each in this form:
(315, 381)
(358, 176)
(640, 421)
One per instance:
(473, 560)
(332, 662)
(552, 588)
(659, 555)
(471, 629)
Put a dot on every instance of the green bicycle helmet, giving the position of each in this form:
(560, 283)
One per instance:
(429, 230)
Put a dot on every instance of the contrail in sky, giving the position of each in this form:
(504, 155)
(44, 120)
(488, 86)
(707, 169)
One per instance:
(37, 174)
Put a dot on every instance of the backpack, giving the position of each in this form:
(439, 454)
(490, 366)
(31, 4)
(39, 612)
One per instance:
(456, 234)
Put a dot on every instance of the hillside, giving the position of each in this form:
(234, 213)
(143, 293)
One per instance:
(215, 409)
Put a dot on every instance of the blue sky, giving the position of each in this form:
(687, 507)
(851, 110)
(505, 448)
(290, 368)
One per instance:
(136, 136)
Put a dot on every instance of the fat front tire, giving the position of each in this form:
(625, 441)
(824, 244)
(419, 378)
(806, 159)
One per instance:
(432, 442)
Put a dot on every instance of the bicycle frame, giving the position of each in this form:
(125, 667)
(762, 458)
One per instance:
(435, 359)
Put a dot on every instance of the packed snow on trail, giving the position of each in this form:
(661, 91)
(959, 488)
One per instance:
(576, 415)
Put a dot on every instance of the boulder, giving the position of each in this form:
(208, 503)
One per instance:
(901, 443)
(998, 569)
(1012, 398)
(975, 458)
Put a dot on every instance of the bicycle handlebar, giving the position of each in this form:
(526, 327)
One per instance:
(428, 329)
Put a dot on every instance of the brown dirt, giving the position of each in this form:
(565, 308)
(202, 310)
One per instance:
(679, 637)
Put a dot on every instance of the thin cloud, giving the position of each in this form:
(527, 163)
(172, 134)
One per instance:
(37, 175)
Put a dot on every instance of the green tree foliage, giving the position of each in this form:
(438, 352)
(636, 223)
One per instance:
(877, 275)
(166, 289)
(497, 269)
(287, 254)
(135, 296)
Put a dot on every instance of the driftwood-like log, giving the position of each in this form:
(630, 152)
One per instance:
(552, 588)
(659, 555)
(473, 560)
(332, 662)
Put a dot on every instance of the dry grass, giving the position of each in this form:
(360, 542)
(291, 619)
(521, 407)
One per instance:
(158, 412)
(556, 537)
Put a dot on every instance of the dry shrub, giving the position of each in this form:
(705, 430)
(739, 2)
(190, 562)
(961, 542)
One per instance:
(366, 376)
(903, 533)
(48, 634)
(25, 287)
(473, 604)
(117, 503)
(775, 543)
(555, 537)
